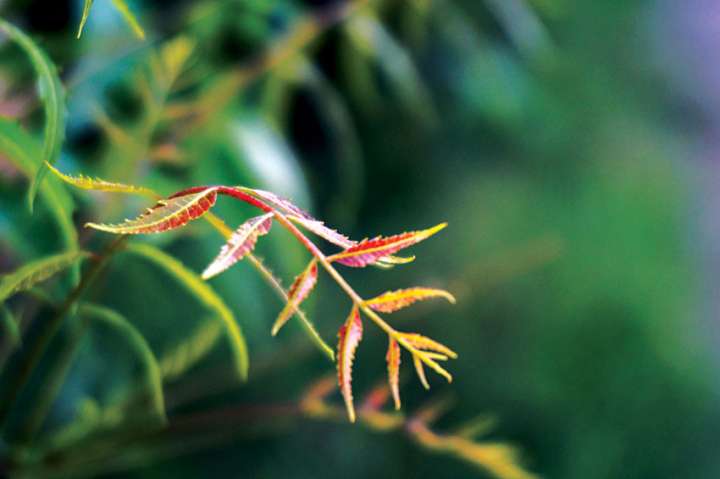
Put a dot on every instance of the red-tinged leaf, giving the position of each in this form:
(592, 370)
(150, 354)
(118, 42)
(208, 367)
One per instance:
(349, 337)
(241, 243)
(300, 289)
(395, 300)
(319, 228)
(370, 251)
(420, 371)
(278, 202)
(423, 343)
(393, 362)
(166, 215)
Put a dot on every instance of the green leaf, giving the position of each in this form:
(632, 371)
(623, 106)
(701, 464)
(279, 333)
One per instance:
(11, 327)
(52, 96)
(23, 151)
(123, 8)
(204, 293)
(139, 345)
(85, 14)
(36, 272)
(188, 352)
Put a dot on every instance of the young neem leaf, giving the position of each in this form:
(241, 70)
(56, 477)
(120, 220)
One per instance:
(393, 362)
(370, 251)
(349, 337)
(278, 202)
(420, 369)
(240, 244)
(423, 343)
(85, 15)
(394, 300)
(97, 184)
(166, 215)
(300, 289)
(53, 99)
(319, 228)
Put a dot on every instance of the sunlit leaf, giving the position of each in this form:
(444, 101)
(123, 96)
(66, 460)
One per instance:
(423, 343)
(85, 14)
(204, 293)
(129, 17)
(278, 202)
(369, 251)
(300, 289)
(36, 272)
(349, 337)
(138, 344)
(240, 244)
(319, 228)
(97, 184)
(393, 365)
(166, 215)
(402, 298)
(420, 369)
(53, 99)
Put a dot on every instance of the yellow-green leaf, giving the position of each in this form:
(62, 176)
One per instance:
(204, 293)
(36, 272)
(52, 96)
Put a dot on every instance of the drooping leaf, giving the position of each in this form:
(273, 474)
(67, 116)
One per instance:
(319, 228)
(129, 17)
(370, 251)
(420, 369)
(140, 346)
(393, 364)
(166, 215)
(240, 244)
(98, 184)
(24, 152)
(300, 289)
(278, 202)
(204, 293)
(53, 99)
(402, 298)
(349, 337)
(85, 14)
(423, 343)
(36, 272)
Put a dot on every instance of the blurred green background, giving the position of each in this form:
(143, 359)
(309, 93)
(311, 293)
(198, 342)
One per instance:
(569, 144)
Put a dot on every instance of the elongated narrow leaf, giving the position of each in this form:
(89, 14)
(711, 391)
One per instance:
(36, 272)
(370, 251)
(420, 370)
(393, 364)
(129, 17)
(300, 289)
(192, 348)
(349, 337)
(24, 152)
(423, 343)
(278, 202)
(138, 344)
(166, 215)
(53, 99)
(85, 14)
(319, 228)
(97, 184)
(402, 298)
(204, 293)
(240, 244)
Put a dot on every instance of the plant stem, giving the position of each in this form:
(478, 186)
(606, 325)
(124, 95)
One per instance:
(32, 358)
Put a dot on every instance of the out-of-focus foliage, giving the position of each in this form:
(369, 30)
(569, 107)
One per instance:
(547, 132)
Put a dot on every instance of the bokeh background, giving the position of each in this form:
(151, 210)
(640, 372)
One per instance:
(571, 145)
